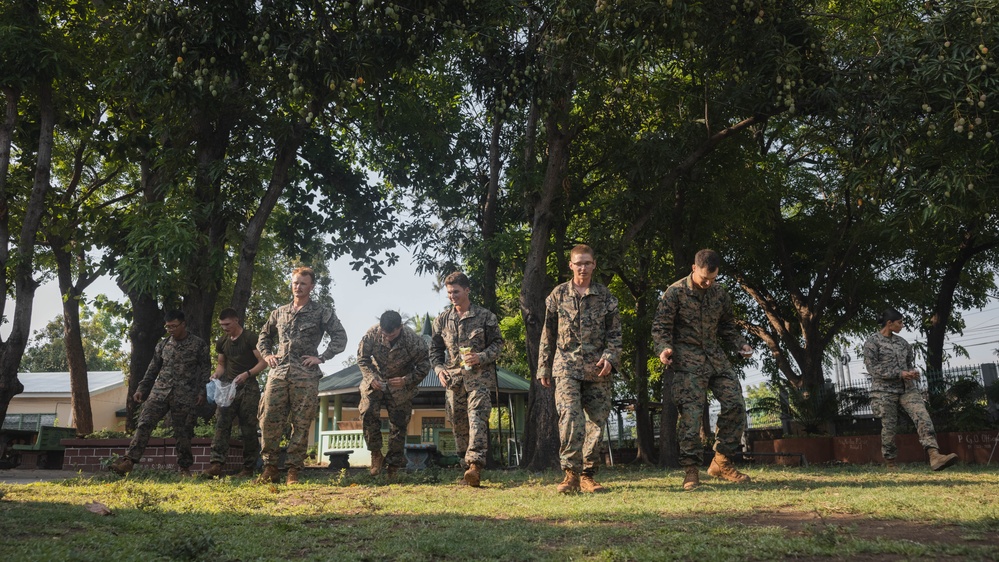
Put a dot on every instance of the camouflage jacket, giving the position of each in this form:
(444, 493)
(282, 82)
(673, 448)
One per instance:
(408, 356)
(695, 324)
(291, 336)
(477, 329)
(885, 359)
(578, 332)
(180, 366)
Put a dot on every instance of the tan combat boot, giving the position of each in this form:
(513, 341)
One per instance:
(940, 461)
(722, 467)
(377, 461)
(213, 471)
(123, 466)
(570, 483)
(589, 485)
(269, 476)
(473, 474)
(292, 477)
(245, 473)
(692, 478)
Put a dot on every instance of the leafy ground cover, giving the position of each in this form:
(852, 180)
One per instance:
(844, 512)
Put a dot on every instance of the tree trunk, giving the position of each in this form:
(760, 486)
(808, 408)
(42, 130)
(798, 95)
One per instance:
(541, 440)
(144, 333)
(285, 156)
(83, 417)
(490, 258)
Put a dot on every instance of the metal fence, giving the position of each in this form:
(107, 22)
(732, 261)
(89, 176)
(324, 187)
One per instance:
(853, 399)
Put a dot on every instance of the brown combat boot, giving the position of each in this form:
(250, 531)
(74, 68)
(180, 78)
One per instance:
(473, 474)
(213, 471)
(269, 476)
(940, 461)
(570, 484)
(692, 478)
(722, 467)
(123, 466)
(589, 485)
(292, 477)
(391, 471)
(245, 473)
(377, 461)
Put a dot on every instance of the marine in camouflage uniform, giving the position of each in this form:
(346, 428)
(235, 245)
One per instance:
(694, 329)
(397, 365)
(468, 401)
(174, 381)
(890, 364)
(580, 330)
(289, 342)
(239, 363)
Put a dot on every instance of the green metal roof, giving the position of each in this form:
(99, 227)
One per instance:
(348, 381)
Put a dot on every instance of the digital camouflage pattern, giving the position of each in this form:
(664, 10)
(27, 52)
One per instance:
(468, 402)
(239, 358)
(583, 407)
(579, 331)
(699, 325)
(174, 380)
(885, 358)
(407, 357)
(291, 395)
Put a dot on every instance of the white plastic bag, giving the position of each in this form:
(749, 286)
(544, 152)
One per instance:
(221, 393)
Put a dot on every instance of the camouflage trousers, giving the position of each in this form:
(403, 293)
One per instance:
(886, 405)
(689, 391)
(583, 407)
(244, 409)
(467, 407)
(399, 404)
(155, 407)
(287, 402)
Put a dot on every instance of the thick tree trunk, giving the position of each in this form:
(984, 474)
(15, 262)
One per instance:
(144, 333)
(541, 441)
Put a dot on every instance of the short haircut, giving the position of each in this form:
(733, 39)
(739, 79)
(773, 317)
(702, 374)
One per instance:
(229, 313)
(458, 278)
(390, 321)
(305, 271)
(581, 249)
(708, 259)
(889, 315)
(172, 315)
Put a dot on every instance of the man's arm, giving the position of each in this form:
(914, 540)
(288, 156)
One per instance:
(152, 371)
(728, 328)
(338, 337)
(204, 368)
(253, 371)
(612, 326)
(549, 338)
(421, 364)
(872, 360)
(662, 326)
(367, 366)
(438, 348)
(265, 341)
(220, 365)
(493, 338)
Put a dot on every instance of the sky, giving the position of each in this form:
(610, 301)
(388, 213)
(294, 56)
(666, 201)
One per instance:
(359, 306)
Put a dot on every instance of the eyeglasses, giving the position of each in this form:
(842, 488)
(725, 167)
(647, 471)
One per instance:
(171, 327)
(582, 264)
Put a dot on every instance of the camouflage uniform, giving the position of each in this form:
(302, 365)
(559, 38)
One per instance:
(175, 378)
(406, 357)
(291, 395)
(695, 323)
(468, 402)
(885, 358)
(578, 332)
(239, 358)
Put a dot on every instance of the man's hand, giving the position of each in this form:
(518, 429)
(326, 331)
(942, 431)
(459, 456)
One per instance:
(546, 382)
(442, 378)
(137, 397)
(471, 359)
(272, 360)
(215, 375)
(666, 357)
(201, 400)
(910, 375)
(605, 367)
(243, 377)
(311, 361)
(377, 384)
(397, 382)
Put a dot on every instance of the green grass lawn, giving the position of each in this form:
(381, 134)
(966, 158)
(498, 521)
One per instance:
(857, 513)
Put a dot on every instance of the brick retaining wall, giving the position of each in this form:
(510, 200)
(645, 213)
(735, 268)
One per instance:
(161, 453)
